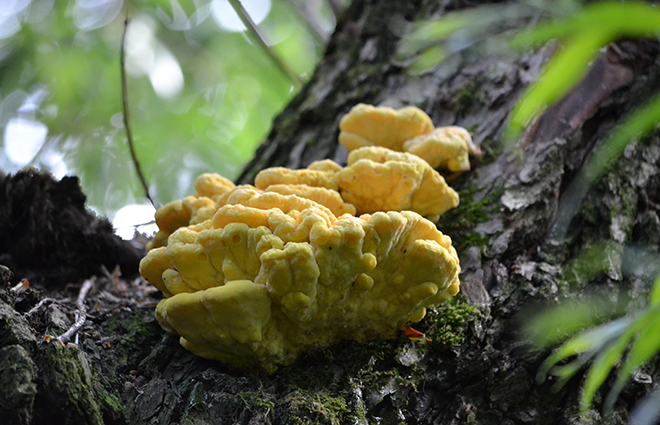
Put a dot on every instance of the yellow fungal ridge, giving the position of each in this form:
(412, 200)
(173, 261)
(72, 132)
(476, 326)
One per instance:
(445, 147)
(309, 176)
(367, 125)
(260, 286)
(321, 195)
(378, 179)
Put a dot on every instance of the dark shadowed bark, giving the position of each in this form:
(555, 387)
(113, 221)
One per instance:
(476, 369)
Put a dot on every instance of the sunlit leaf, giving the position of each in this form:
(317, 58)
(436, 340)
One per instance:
(655, 291)
(564, 70)
(582, 34)
(212, 123)
(430, 58)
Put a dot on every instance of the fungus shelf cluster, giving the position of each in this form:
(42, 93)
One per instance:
(255, 275)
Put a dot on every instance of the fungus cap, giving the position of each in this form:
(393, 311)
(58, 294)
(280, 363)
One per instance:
(378, 179)
(444, 147)
(367, 125)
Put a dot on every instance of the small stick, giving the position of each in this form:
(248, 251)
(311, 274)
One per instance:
(127, 124)
(36, 307)
(315, 28)
(82, 313)
(261, 41)
(336, 7)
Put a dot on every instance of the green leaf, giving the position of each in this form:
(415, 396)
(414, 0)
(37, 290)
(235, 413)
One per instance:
(554, 325)
(461, 28)
(583, 35)
(655, 291)
(601, 367)
(542, 33)
(592, 340)
(562, 72)
(428, 59)
(643, 348)
(621, 19)
(567, 371)
(638, 124)
(428, 33)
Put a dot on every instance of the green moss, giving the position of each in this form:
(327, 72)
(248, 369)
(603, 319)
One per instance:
(490, 150)
(601, 257)
(308, 408)
(459, 222)
(17, 380)
(380, 350)
(448, 323)
(108, 398)
(68, 386)
(464, 97)
(257, 401)
(135, 334)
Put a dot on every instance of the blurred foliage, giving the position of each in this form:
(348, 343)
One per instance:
(488, 27)
(627, 342)
(581, 31)
(202, 95)
(582, 34)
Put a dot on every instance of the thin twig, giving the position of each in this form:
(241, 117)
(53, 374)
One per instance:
(315, 29)
(127, 124)
(261, 41)
(336, 7)
(82, 312)
(38, 306)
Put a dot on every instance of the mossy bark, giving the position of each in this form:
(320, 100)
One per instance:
(476, 369)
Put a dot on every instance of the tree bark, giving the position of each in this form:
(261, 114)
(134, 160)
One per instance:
(477, 368)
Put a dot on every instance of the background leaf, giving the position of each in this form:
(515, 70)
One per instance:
(201, 95)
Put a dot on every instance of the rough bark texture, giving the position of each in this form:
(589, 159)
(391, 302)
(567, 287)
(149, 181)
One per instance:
(476, 369)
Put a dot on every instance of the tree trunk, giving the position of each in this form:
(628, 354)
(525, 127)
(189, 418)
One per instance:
(476, 369)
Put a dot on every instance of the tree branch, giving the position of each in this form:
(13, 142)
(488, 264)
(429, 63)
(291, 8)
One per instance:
(127, 125)
(261, 41)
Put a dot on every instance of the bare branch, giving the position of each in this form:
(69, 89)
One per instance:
(261, 41)
(127, 125)
(311, 21)
(82, 312)
(336, 6)
(38, 306)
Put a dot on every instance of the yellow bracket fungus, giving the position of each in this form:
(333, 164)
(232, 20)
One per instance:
(255, 275)
(263, 281)
(409, 130)
(375, 179)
